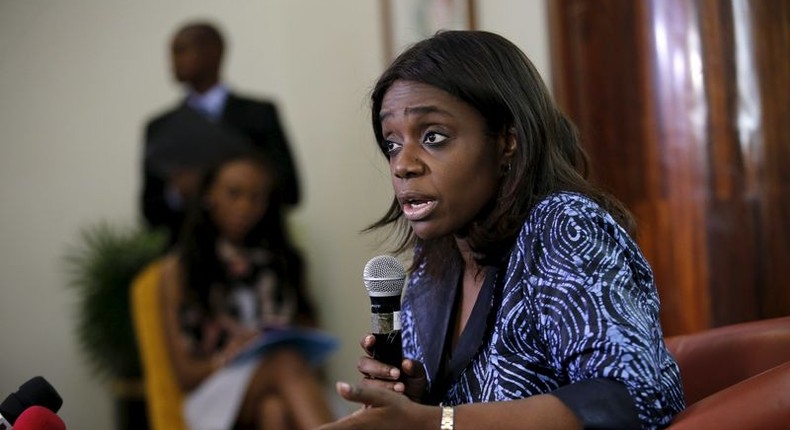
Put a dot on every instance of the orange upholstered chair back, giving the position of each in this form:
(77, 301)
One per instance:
(164, 397)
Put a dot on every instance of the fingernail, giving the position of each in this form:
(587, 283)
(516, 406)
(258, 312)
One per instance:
(395, 372)
(343, 386)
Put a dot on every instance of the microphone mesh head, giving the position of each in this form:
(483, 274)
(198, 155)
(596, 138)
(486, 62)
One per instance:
(384, 276)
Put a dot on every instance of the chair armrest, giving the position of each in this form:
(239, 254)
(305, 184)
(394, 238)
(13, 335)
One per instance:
(760, 402)
(720, 357)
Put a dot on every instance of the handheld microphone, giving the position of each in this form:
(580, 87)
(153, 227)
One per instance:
(384, 277)
(35, 392)
(39, 418)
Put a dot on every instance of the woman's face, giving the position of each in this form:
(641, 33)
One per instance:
(238, 198)
(444, 167)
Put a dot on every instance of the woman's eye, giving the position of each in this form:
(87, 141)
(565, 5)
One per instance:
(391, 146)
(434, 138)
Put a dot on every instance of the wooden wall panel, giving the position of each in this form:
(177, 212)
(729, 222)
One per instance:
(770, 32)
(734, 257)
(677, 105)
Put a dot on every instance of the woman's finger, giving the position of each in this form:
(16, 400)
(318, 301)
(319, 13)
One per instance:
(367, 343)
(415, 381)
(374, 369)
(398, 387)
(372, 396)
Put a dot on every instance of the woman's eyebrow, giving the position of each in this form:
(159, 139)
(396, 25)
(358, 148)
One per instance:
(416, 110)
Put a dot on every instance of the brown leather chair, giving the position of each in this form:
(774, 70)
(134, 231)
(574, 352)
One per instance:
(736, 376)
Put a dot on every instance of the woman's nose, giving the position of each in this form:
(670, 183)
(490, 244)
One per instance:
(407, 163)
(245, 205)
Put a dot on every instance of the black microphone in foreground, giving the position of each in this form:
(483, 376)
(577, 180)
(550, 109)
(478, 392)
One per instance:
(384, 277)
(35, 392)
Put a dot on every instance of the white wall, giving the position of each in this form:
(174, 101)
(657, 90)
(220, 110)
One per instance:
(78, 79)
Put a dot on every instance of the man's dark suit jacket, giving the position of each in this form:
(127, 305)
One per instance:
(257, 120)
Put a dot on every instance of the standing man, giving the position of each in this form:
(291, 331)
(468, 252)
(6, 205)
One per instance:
(197, 50)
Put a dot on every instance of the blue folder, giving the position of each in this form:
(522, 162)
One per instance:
(315, 345)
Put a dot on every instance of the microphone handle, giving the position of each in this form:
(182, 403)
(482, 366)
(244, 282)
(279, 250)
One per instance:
(388, 348)
(385, 325)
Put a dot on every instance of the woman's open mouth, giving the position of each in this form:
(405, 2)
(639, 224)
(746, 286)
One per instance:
(417, 208)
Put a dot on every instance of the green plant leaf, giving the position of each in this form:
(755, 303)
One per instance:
(100, 268)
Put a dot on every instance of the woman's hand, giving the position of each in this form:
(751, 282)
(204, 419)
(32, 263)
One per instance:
(238, 340)
(409, 379)
(385, 410)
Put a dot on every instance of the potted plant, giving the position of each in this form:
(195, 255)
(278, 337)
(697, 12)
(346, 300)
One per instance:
(101, 268)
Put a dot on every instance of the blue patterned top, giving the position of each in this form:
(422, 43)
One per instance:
(576, 301)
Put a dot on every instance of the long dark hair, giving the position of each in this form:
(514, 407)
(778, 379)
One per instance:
(493, 76)
(197, 243)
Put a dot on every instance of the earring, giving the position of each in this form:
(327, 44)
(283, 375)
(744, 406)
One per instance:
(506, 168)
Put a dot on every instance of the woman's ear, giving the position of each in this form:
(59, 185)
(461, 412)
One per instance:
(507, 146)
(508, 142)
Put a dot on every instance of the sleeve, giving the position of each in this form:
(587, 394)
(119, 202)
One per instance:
(282, 152)
(276, 145)
(600, 403)
(154, 205)
(598, 317)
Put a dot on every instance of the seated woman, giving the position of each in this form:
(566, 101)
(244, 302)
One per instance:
(529, 305)
(232, 273)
